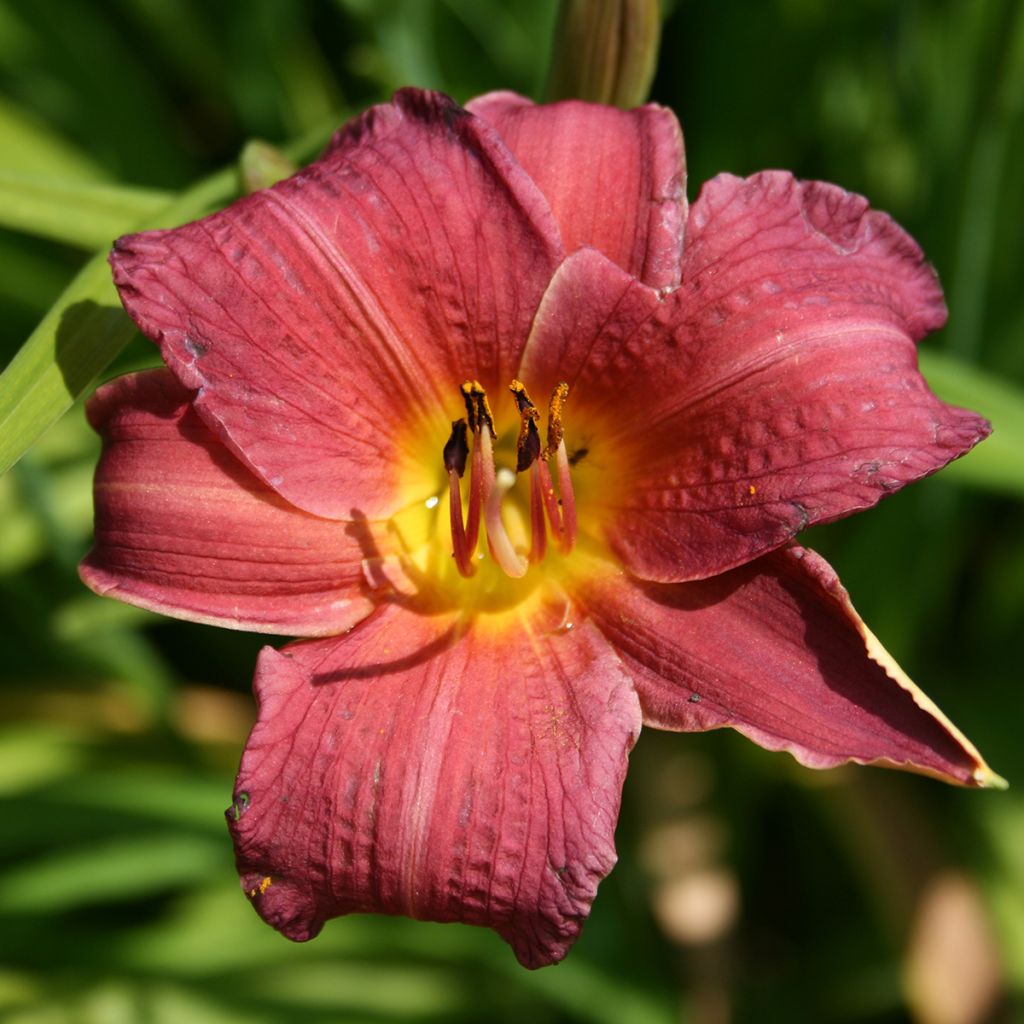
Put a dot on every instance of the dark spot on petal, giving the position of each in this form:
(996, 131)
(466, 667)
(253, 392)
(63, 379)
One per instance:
(240, 806)
(803, 514)
(195, 348)
(694, 698)
(453, 114)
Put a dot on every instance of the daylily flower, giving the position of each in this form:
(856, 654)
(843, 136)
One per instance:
(520, 445)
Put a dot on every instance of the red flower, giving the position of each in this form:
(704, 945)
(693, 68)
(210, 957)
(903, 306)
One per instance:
(454, 746)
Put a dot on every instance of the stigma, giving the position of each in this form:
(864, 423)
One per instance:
(552, 509)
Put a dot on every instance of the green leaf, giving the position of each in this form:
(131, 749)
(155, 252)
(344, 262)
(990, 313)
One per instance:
(997, 464)
(28, 145)
(123, 869)
(34, 754)
(80, 335)
(86, 328)
(79, 213)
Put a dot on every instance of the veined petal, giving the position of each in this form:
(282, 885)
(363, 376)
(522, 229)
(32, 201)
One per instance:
(421, 766)
(325, 320)
(776, 388)
(615, 179)
(185, 529)
(776, 651)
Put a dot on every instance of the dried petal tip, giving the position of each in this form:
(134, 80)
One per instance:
(985, 778)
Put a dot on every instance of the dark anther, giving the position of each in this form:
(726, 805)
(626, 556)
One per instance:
(478, 411)
(522, 398)
(528, 446)
(456, 450)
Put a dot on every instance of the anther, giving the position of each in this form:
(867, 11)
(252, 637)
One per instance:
(478, 411)
(528, 446)
(555, 432)
(456, 450)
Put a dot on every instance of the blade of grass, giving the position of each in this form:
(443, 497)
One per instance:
(81, 213)
(86, 328)
(79, 336)
(997, 464)
(29, 145)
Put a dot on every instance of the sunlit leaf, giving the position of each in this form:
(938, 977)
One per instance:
(84, 330)
(1004, 825)
(29, 279)
(394, 991)
(118, 870)
(152, 794)
(30, 146)
(79, 213)
(31, 755)
(997, 463)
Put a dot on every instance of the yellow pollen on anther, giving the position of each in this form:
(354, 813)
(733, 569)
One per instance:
(752, 490)
(555, 431)
(478, 411)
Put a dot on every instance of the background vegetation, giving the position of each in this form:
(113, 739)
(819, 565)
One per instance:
(749, 889)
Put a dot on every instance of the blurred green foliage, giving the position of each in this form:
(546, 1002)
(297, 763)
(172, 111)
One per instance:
(120, 732)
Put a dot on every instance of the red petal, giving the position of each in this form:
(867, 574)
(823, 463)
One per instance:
(184, 529)
(448, 773)
(776, 388)
(615, 179)
(324, 321)
(776, 651)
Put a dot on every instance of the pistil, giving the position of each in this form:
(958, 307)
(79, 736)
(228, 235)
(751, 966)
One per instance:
(538, 534)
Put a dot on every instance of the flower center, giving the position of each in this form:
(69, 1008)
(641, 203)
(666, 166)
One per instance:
(472, 442)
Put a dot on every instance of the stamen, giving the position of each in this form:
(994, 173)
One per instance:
(478, 411)
(456, 449)
(568, 498)
(456, 452)
(481, 482)
(487, 489)
(528, 445)
(555, 431)
(511, 562)
(538, 534)
(461, 550)
(550, 499)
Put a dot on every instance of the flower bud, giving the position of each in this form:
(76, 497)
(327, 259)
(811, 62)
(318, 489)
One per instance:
(262, 165)
(605, 51)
